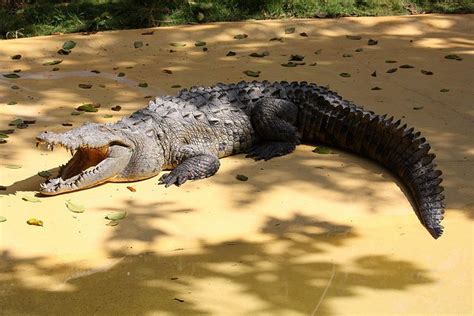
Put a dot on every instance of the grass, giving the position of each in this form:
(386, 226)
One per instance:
(32, 18)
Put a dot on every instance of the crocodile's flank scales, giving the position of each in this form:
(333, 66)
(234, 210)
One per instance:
(188, 133)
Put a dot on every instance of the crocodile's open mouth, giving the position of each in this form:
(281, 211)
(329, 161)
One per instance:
(88, 166)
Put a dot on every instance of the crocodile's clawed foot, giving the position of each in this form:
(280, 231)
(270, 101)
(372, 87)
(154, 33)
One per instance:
(270, 150)
(176, 176)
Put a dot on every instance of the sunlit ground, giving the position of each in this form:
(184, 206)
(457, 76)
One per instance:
(307, 234)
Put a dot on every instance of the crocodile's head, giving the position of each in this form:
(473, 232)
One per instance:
(100, 153)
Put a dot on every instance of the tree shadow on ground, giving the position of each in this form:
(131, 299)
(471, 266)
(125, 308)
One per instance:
(282, 275)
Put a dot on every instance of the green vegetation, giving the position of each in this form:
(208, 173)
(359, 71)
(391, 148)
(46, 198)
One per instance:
(20, 18)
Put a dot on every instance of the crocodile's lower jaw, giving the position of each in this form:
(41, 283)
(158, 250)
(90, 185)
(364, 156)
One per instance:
(82, 171)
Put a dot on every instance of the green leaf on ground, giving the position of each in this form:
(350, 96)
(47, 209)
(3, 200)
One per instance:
(69, 45)
(289, 64)
(88, 107)
(16, 122)
(44, 174)
(107, 116)
(322, 150)
(143, 84)
(453, 57)
(32, 199)
(138, 44)
(13, 166)
(3, 219)
(354, 37)
(116, 216)
(177, 44)
(200, 43)
(279, 39)
(11, 76)
(252, 73)
(290, 30)
(240, 36)
(12, 103)
(241, 177)
(3, 135)
(74, 207)
(53, 62)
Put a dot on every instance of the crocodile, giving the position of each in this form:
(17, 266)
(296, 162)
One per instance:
(189, 132)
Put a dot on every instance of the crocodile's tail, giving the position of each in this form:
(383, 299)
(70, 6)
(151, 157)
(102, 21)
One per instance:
(326, 117)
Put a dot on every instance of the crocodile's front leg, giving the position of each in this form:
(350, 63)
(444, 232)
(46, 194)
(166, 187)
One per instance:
(274, 123)
(194, 163)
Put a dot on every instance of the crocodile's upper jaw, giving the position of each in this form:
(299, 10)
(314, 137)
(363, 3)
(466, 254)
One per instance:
(88, 167)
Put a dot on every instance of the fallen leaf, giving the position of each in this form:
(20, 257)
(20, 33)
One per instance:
(131, 189)
(85, 86)
(389, 61)
(74, 207)
(444, 90)
(279, 39)
(418, 107)
(3, 135)
(148, 33)
(143, 84)
(13, 166)
(112, 223)
(345, 74)
(453, 56)
(289, 64)
(358, 50)
(116, 108)
(17, 70)
(11, 76)
(15, 87)
(63, 51)
(88, 107)
(53, 62)
(76, 112)
(45, 174)
(116, 216)
(260, 55)
(372, 42)
(240, 36)
(376, 88)
(121, 74)
(354, 37)
(175, 44)
(18, 56)
(176, 86)
(55, 69)
(16, 122)
(200, 43)
(289, 30)
(138, 44)
(426, 72)
(69, 45)
(107, 116)
(252, 73)
(3, 219)
(167, 71)
(318, 51)
(179, 300)
(322, 150)
(66, 124)
(32, 199)
(95, 71)
(392, 70)
(35, 222)
(12, 103)
(296, 57)
(406, 66)
(231, 53)
(304, 34)
(346, 55)
(241, 177)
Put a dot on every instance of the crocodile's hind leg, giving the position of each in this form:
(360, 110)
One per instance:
(194, 164)
(274, 123)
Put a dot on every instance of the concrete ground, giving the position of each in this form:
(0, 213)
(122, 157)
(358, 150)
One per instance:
(307, 234)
